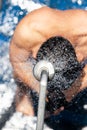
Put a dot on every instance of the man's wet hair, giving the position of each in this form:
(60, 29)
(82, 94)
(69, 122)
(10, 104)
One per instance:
(61, 54)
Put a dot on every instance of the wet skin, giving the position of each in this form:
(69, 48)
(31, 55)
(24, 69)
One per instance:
(32, 31)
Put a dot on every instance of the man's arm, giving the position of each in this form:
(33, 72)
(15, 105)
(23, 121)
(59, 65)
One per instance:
(22, 68)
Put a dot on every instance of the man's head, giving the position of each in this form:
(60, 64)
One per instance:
(61, 54)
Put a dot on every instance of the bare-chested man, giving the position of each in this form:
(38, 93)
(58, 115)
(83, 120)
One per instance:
(34, 29)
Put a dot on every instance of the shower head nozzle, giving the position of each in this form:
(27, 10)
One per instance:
(44, 66)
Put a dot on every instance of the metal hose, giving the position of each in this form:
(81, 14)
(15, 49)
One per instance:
(42, 97)
(43, 71)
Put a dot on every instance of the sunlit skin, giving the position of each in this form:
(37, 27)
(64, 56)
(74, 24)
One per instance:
(34, 29)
